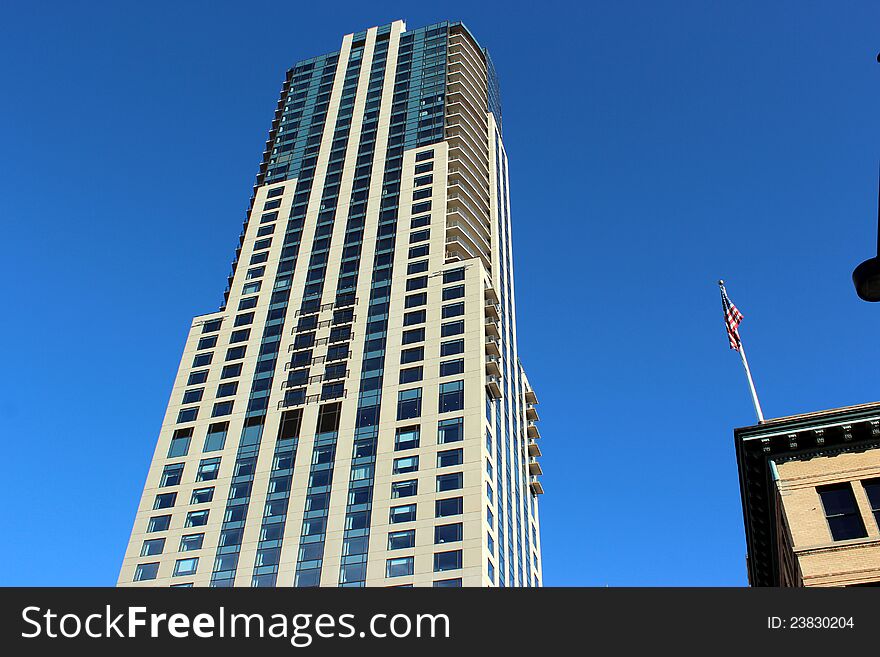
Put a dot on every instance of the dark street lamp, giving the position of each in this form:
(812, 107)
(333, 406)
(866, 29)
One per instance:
(866, 276)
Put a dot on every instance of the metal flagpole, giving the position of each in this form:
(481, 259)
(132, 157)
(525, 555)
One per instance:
(742, 353)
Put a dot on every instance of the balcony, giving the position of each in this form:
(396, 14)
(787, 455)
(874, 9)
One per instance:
(492, 347)
(531, 413)
(531, 398)
(534, 450)
(536, 486)
(493, 311)
(493, 366)
(532, 431)
(492, 328)
(491, 296)
(493, 386)
(535, 467)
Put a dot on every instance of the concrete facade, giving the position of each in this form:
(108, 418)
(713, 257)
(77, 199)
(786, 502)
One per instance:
(374, 245)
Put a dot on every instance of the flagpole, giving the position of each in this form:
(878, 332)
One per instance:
(742, 353)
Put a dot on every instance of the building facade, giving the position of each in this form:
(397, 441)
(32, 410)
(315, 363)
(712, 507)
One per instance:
(356, 413)
(810, 487)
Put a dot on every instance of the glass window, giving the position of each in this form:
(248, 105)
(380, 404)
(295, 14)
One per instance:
(400, 540)
(447, 533)
(227, 389)
(450, 430)
(406, 513)
(235, 353)
(193, 396)
(451, 506)
(171, 475)
(406, 438)
(452, 481)
(164, 501)
(186, 566)
(414, 317)
(188, 415)
(239, 336)
(152, 547)
(453, 275)
(211, 326)
(409, 337)
(158, 524)
(208, 469)
(207, 343)
(407, 488)
(411, 375)
(451, 396)
(842, 512)
(872, 490)
(453, 310)
(417, 267)
(405, 464)
(447, 561)
(216, 438)
(399, 567)
(452, 347)
(409, 404)
(146, 571)
(412, 355)
(249, 302)
(454, 292)
(451, 367)
(196, 518)
(449, 457)
(197, 377)
(415, 300)
(179, 443)
(201, 360)
(202, 495)
(441, 583)
(191, 542)
(452, 328)
(222, 408)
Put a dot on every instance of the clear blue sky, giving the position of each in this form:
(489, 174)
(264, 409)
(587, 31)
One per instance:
(654, 146)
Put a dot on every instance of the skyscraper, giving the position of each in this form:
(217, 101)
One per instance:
(356, 413)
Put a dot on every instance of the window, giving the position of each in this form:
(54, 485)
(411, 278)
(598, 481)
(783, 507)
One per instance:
(452, 328)
(207, 343)
(202, 495)
(188, 415)
(244, 319)
(333, 390)
(415, 300)
(197, 377)
(239, 336)
(452, 310)
(409, 404)
(222, 408)
(872, 490)
(451, 348)
(399, 567)
(406, 438)
(193, 396)
(235, 353)
(417, 267)
(424, 168)
(227, 389)
(447, 533)
(423, 180)
(409, 337)
(451, 396)
(231, 371)
(146, 571)
(211, 326)
(158, 524)
(414, 317)
(842, 512)
(186, 566)
(454, 583)
(405, 464)
(396, 540)
(411, 374)
(447, 561)
(196, 518)
(418, 251)
(208, 469)
(179, 443)
(201, 360)
(269, 216)
(490, 494)
(251, 288)
(419, 194)
(424, 155)
(164, 501)
(420, 235)
(417, 283)
(452, 481)
(171, 475)
(248, 303)
(277, 191)
(152, 547)
(450, 367)
(453, 275)
(450, 430)
(407, 488)
(216, 438)
(451, 506)
(449, 457)
(406, 513)
(259, 245)
(191, 542)
(454, 292)
(412, 355)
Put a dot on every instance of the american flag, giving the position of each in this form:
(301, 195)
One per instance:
(732, 318)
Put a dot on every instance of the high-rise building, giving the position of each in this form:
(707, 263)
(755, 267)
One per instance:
(356, 413)
(811, 498)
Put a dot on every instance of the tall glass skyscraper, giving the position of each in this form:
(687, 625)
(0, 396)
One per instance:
(356, 413)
